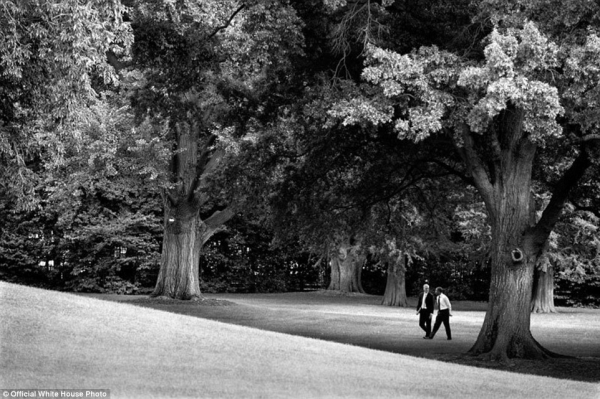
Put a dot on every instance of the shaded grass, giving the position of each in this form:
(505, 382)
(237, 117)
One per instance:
(361, 320)
(59, 341)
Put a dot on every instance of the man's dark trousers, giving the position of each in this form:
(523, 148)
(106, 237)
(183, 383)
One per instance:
(443, 316)
(425, 313)
(425, 321)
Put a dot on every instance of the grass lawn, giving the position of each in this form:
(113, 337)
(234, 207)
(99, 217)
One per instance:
(57, 340)
(360, 320)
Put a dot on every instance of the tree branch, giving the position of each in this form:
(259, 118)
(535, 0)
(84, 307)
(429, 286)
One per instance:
(559, 196)
(213, 162)
(220, 217)
(576, 135)
(474, 164)
(227, 23)
(453, 171)
(206, 163)
(590, 137)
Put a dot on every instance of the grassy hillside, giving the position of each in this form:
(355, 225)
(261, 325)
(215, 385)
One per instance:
(56, 340)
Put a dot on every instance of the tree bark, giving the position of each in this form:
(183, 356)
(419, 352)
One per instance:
(543, 291)
(182, 243)
(346, 269)
(395, 288)
(185, 233)
(506, 328)
(503, 178)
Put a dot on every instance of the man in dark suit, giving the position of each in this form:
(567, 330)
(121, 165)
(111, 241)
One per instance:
(425, 310)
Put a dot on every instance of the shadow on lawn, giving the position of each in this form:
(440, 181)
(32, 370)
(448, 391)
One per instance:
(580, 369)
(299, 314)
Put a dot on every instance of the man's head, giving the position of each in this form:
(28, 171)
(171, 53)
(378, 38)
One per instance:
(439, 290)
(426, 288)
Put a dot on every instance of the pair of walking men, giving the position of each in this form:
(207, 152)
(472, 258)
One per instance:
(425, 312)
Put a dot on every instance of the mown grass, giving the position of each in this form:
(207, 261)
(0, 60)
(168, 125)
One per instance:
(56, 340)
(361, 320)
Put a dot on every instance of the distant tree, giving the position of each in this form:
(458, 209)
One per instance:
(394, 240)
(395, 288)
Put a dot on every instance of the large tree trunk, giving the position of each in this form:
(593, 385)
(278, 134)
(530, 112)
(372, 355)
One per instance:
(346, 269)
(506, 327)
(184, 236)
(179, 277)
(395, 288)
(185, 233)
(543, 291)
(504, 181)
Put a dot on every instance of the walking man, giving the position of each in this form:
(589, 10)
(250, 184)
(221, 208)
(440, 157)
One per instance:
(425, 310)
(444, 313)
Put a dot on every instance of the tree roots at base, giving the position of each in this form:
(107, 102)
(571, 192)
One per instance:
(502, 354)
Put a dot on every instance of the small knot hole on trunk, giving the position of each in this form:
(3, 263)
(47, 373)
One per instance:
(517, 255)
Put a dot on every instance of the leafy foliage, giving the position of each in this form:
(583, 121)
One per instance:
(98, 217)
(52, 55)
(574, 252)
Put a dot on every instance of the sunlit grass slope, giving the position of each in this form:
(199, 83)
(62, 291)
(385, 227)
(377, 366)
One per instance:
(56, 340)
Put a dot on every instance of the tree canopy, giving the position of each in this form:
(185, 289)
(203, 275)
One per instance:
(53, 56)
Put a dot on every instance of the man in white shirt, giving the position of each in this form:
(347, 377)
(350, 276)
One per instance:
(444, 313)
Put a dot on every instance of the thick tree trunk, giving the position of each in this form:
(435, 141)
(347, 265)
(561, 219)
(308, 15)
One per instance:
(182, 244)
(185, 233)
(346, 270)
(506, 328)
(504, 181)
(543, 291)
(395, 288)
(334, 281)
